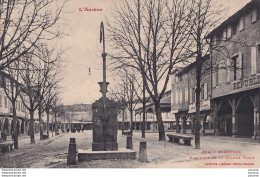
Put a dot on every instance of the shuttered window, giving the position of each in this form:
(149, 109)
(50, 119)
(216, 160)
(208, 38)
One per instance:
(254, 15)
(254, 62)
(205, 91)
(228, 69)
(186, 96)
(241, 23)
(180, 94)
(191, 95)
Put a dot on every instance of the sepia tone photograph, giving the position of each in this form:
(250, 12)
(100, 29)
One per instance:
(129, 84)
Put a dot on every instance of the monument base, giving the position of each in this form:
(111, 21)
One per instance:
(102, 147)
(87, 155)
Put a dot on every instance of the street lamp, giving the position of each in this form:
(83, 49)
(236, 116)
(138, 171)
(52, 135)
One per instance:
(103, 85)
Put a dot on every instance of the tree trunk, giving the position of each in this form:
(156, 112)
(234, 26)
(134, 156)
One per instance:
(193, 123)
(177, 124)
(56, 126)
(132, 125)
(159, 120)
(123, 125)
(40, 120)
(48, 120)
(31, 127)
(15, 133)
(197, 119)
(184, 124)
(143, 122)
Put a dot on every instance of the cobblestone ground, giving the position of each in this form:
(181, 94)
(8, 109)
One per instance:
(215, 152)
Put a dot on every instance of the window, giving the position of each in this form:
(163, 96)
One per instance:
(228, 69)
(254, 15)
(186, 97)
(241, 23)
(202, 93)
(234, 60)
(0, 100)
(237, 67)
(255, 59)
(191, 95)
(234, 28)
(224, 37)
(221, 72)
(254, 62)
(229, 32)
(180, 95)
(5, 102)
(205, 91)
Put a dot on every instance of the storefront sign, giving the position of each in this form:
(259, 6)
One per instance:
(247, 82)
(205, 105)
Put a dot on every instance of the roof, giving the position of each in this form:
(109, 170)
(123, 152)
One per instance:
(190, 66)
(235, 16)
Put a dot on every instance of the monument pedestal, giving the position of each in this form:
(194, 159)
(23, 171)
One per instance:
(105, 144)
(111, 146)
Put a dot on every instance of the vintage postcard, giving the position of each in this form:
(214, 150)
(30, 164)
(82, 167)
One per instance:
(129, 84)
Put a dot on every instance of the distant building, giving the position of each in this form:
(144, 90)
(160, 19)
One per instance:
(183, 108)
(77, 116)
(150, 117)
(23, 117)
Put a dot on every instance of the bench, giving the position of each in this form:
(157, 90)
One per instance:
(45, 136)
(176, 138)
(6, 146)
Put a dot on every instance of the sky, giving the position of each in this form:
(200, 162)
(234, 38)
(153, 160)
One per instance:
(84, 50)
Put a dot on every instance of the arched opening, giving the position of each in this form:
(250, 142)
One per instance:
(225, 119)
(1, 124)
(6, 125)
(245, 117)
(18, 128)
(12, 126)
(150, 119)
(22, 127)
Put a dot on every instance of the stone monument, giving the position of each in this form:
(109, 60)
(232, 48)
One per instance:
(104, 123)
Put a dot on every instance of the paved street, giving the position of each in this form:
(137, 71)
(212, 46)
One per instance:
(216, 151)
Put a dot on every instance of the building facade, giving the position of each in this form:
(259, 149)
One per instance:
(150, 116)
(235, 88)
(183, 107)
(22, 114)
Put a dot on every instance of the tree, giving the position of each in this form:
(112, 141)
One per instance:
(29, 77)
(126, 94)
(206, 14)
(150, 36)
(23, 24)
(120, 97)
(57, 111)
(12, 89)
(49, 72)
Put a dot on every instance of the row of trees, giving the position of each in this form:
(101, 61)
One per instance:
(32, 68)
(152, 38)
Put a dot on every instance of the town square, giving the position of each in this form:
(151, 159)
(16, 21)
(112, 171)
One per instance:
(129, 84)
